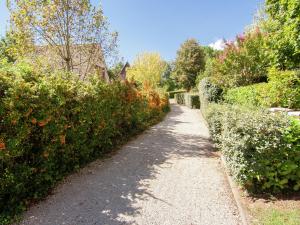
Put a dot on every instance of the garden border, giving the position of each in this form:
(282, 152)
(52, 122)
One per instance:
(244, 215)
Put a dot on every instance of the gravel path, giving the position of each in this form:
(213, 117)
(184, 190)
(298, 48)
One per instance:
(166, 176)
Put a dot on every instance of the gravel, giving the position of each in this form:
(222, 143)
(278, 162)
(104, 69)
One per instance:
(168, 175)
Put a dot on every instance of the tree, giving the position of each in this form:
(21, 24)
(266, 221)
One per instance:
(114, 70)
(148, 69)
(283, 28)
(6, 45)
(74, 30)
(242, 62)
(189, 62)
(168, 81)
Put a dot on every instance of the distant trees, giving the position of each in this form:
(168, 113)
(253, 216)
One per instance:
(189, 62)
(61, 25)
(148, 69)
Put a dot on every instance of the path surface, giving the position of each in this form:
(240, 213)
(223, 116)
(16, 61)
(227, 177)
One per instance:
(166, 176)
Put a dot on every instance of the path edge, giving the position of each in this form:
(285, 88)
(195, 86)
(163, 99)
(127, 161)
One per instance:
(236, 194)
(234, 189)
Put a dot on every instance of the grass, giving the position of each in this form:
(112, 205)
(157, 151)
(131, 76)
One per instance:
(272, 216)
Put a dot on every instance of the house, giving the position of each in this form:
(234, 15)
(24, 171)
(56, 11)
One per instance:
(85, 59)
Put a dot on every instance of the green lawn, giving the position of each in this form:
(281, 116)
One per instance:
(277, 217)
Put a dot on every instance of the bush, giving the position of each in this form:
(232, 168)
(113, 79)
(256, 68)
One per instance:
(242, 62)
(262, 150)
(52, 125)
(191, 100)
(179, 98)
(208, 92)
(172, 93)
(282, 90)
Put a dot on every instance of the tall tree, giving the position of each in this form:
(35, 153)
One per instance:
(283, 26)
(189, 62)
(148, 69)
(64, 26)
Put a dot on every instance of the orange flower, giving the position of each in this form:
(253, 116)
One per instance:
(44, 122)
(2, 146)
(34, 121)
(14, 122)
(62, 139)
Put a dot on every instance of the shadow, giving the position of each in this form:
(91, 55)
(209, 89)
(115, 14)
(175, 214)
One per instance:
(291, 196)
(105, 191)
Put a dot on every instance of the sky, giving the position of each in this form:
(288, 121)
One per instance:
(162, 25)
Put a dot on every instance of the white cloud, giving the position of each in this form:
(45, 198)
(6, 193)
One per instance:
(218, 45)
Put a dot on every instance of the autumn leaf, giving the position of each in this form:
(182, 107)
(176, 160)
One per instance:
(34, 121)
(62, 139)
(44, 122)
(2, 146)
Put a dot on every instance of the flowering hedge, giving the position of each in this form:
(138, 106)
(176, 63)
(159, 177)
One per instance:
(262, 150)
(52, 125)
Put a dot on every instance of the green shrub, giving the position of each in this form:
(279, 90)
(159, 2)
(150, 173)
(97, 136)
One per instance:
(262, 150)
(191, 100)
(282, 90)
(52, 125)
(172, 93)
(208, 92)
(179, 98)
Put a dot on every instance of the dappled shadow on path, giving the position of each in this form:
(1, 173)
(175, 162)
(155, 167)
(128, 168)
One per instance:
(105, 192)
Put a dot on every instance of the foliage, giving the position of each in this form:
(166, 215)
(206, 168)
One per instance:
(6, 44)
(179, 98)
(262, 150)
(114, 71)
(210, 91)
(172, 93)
(242, 62)
(189, 62)
(191, 100)
(283, 27)
(51, 125)
(168, 81)
(72, 30)
(148, 69)
(282, 90)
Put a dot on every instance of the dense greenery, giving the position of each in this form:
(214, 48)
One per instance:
(262, 150)
(243, 62)
(283, 89)
(52, 124)
(190, 61)
(192, 100)
(148, 69)
(283, 28)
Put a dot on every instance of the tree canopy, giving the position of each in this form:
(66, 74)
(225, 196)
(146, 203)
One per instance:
(61, 25)
(148, 69)
(189, 62)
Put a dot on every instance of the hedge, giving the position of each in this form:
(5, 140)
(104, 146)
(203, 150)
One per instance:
(282, 90)
(52, 125)
(262, 150)
(191, 100)
(172, 93)
(208, 92)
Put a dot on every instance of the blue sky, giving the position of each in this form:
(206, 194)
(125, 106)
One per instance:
(162, 25)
